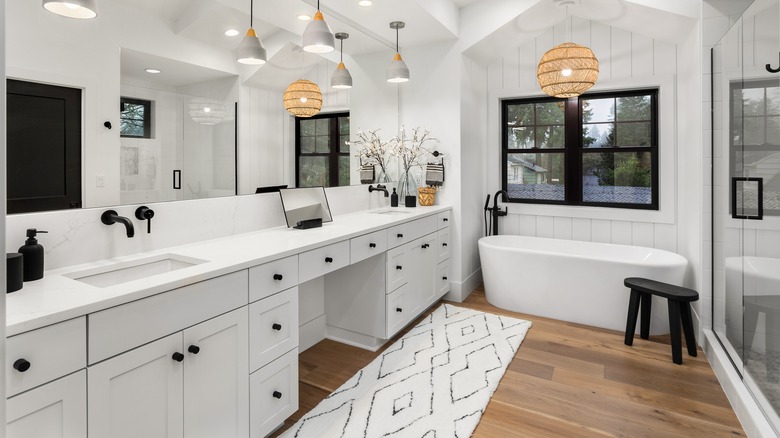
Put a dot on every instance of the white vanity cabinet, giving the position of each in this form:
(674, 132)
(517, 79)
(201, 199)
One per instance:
(193, 383)
(55, 410)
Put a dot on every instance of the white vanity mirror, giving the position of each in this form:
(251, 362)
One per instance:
(189, 154)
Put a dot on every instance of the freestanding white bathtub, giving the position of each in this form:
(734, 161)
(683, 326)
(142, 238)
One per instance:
(574, 281)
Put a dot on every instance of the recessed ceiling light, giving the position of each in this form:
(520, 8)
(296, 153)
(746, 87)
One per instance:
(232, 32)
(304, 17)
(153, 71)
(365, 3)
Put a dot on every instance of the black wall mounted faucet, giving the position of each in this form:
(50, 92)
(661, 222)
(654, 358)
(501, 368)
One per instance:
(145, 213)
(379, 188)
(110, 217)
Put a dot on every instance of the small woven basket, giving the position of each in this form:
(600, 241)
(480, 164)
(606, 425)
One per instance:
(426, 195)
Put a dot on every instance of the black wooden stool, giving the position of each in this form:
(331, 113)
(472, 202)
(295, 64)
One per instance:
(678, 298)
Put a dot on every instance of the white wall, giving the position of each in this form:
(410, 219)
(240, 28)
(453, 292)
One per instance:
(2, 213)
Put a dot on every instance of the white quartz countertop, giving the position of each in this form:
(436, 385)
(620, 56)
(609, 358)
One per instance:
(56, 298)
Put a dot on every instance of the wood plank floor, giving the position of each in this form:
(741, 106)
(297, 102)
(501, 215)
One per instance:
(567, 380)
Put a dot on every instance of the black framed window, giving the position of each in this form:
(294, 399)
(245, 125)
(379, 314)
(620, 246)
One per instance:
(322, 150)
(599, 149)
(135, 118)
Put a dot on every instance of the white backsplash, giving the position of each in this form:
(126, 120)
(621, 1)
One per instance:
(78, 236)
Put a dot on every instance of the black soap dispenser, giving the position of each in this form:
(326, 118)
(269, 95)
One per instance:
(33, 256)
(394, 199)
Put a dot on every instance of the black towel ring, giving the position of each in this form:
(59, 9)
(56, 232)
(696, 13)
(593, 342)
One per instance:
(773, 70)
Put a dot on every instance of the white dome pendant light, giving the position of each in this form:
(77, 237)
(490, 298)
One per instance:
(250, 49)
(341, 77)
(318, 38)
(82, 9)
(397, 71)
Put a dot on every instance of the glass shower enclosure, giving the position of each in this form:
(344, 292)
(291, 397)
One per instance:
(746, 200)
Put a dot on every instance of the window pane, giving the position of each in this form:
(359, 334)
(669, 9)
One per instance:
(633, 108)
(753, 101)
(344, 125)
(617, 177)
(773, 101)
(322, 126)
(313, 171)
(549, 113)
(753, 130)
(343, 146)
(598, 135)
(132, 128)
(307, 145)
(598, 110)
(773, 130)
(132, 111)
(518, 115)
(520, 138)
(633, 134)
(307, 127)
(323, 144)
(548, 137)
(535, 176)
(343, 171)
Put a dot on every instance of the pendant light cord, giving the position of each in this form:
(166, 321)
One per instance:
(341, 55)
(251, 13)
(396, 41)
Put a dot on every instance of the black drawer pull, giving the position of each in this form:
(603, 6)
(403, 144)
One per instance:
(277, 394)
(398, 267)
(22, 365)
(398, 309)
(425, 245)
(400, 236)
(445, 219)
(178, 357)
(372, 245)
(278, 277)
(276, 326)
(444, 278)
(194, 349)
(328, 259)
(443, 244)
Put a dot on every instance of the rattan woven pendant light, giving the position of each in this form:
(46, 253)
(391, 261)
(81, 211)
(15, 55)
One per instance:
(568, 69)
(303, 98)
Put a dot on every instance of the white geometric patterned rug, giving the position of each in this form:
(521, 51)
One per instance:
(434, 382)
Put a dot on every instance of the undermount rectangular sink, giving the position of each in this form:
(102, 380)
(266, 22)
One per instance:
(123, 272)
(391, 212)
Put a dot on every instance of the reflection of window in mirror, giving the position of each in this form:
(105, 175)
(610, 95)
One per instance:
(322, 150)
(135, 118)
(43, 147)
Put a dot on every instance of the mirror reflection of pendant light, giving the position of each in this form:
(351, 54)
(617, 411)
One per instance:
(250, 49)
(83, 9)
(341, 77)
(568, 69)
(397, 71)
(206, 111)
(318, 38)
(303, 98)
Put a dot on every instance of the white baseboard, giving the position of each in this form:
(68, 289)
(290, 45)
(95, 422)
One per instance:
(359, 340)
(460, 291)
(748, 412)
(311, 332)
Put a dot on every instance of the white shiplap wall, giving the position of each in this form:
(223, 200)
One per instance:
(623, 56)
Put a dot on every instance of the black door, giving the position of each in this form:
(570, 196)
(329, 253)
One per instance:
(44, 147)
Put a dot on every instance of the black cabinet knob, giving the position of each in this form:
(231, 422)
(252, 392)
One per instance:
(425, 245)
(277, 394)
(398, 309)
(445, 219)
(278, 277)
(178, 357)
(444, 244)
(194, 349)
(399, 267)
(22, 365)
(400, 236)
(276, 327)
(444, 278)
(328, 259)
(372, 245)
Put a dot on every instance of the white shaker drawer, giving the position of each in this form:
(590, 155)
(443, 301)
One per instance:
(320, 261)
(397, 267)
(401, 307)
(39, 356)
(121, 328)
(272, 277)
(444, 219)
(406, 232)
(369, 245)
(273, 394)
(273, 327)
(444, 244)
(443, 278)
